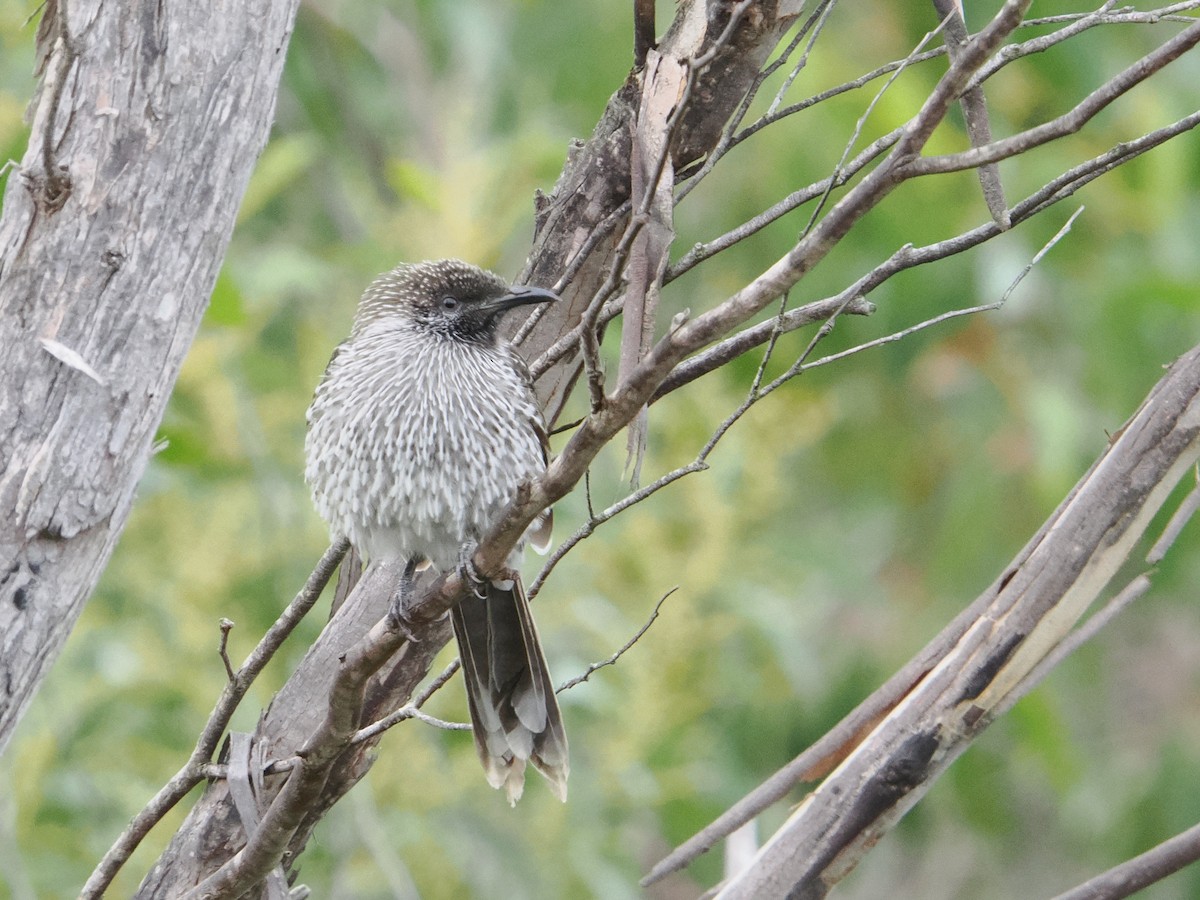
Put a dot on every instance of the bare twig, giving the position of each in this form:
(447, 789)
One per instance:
(437, 684)
(1181, 517)
(193, 770)
(403, 714)
(700, 252)
(1109, 16)
(816, 23)
(801, 365)
(1076, 23)
(587, 673)
(1053, 192)
(598, 234)
(264, 849)
(413, 710)
(1068, 123)
(1143, 870)
(862, 122)
(813, 24)
(223, 647)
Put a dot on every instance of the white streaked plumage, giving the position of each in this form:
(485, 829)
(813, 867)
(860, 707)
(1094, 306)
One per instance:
(398, 409)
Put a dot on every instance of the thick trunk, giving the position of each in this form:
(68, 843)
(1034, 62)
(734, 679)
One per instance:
(146, 129)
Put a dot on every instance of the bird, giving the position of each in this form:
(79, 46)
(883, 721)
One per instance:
(422, 430)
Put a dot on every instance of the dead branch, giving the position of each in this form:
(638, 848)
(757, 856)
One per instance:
(1039, 598)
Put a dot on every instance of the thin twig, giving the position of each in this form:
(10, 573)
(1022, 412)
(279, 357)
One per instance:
(1182, 516)
(192, 772)
(599, 233)
(800, 366)
(265, 848)
(815, 21)
(1056, 190)
(862, 122)
(1143, 870)
(1069, 122)
(587, 673)
(226, 626)
(403, 714)
(1076, 24)
(702, 251)
(436, 685)
(596, 519)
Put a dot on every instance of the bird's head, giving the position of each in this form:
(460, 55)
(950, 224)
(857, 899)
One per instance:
(447, 297)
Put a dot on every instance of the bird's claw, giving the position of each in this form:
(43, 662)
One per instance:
(469, 574)
(398, 616)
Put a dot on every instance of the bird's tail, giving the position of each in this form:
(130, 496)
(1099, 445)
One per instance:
(514, 713)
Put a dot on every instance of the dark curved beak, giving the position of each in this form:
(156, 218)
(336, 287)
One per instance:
(520, 296)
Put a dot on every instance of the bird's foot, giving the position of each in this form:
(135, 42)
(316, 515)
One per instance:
(398, 617)
(469, 574)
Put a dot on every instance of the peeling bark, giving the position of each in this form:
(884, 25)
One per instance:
(148, 123)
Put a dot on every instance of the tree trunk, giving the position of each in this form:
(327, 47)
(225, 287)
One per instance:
(148, 123)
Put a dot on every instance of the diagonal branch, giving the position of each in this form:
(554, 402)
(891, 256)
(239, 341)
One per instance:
(1142, 871)
(194, 771)
(1033, 605)
(1069, 122)
(1054, 191)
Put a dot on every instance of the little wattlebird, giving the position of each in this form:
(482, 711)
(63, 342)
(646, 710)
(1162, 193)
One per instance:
(422, 430)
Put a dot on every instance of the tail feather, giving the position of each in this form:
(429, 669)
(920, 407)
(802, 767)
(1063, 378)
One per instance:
(514, 713)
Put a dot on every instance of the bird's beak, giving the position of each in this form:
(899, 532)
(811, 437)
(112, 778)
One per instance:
(520, 296)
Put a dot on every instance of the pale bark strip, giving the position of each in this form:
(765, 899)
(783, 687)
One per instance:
(150, 119)
(975, 114)
(595, 182)
(1042, 595)
(652, 178)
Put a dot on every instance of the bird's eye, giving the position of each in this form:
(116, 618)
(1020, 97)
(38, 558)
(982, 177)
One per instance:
(449, 304)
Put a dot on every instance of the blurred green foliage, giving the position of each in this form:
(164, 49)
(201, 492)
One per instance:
(843, 521)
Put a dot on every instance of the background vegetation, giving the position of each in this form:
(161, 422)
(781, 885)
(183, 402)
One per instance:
(843, 521)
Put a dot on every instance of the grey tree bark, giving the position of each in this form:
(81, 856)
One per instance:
(148, 123)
